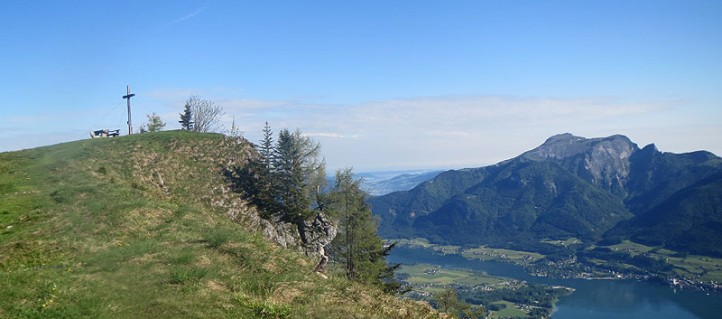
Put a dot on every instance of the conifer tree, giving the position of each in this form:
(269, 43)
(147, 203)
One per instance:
(266, 149)
(357, 247)
(264, 174)
(186, 118)
(286, 178)
(296, 171)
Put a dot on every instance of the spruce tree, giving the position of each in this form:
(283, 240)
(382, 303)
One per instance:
(297, 174)
(264, 174)
(285, 178)
(186, 118)
(266, 149)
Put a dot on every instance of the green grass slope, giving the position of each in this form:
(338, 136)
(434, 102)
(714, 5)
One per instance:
(140, 227)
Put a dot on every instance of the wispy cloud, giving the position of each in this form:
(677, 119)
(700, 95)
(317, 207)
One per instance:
(186, 17)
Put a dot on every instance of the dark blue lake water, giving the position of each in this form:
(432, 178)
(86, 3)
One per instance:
(593, 299)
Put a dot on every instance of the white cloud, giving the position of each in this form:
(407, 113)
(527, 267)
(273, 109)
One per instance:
(427, 132)
(450, 131)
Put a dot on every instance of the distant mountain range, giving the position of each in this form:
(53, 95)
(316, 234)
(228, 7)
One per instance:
(381, 183)
(570, 186)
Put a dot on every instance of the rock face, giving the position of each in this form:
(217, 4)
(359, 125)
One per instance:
(309, 237)
(604, 161)
(315, 235)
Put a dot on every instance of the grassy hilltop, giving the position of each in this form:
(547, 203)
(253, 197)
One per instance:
(142, 227)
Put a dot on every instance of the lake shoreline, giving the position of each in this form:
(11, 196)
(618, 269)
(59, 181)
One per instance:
(562, 269)
(607, 299)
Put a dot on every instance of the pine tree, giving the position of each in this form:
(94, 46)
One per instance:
(186, 118)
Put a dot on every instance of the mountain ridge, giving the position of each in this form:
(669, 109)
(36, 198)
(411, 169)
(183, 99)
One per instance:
(569, 186)
(384, 182)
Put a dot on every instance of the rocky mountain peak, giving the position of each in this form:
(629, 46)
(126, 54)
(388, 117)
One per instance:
(563, 138)
(603, 160)
(651, 148)
(567, 145)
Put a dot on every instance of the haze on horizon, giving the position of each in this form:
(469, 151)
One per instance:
(381, 85)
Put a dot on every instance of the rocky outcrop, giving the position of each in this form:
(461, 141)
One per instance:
(602, 161)
(308, 237)
(316, 234)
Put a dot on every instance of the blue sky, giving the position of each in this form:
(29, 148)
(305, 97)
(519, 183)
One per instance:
(380, 84)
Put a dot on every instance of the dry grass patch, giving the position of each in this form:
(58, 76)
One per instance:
(286, 293)
(203, 261)
(145, 219)
(215, 286)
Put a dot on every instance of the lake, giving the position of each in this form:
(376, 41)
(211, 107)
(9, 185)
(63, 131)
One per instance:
(593, 299)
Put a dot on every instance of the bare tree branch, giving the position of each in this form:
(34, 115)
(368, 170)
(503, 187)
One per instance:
(206, 114)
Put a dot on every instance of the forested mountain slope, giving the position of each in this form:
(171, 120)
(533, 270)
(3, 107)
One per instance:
(569, 186)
